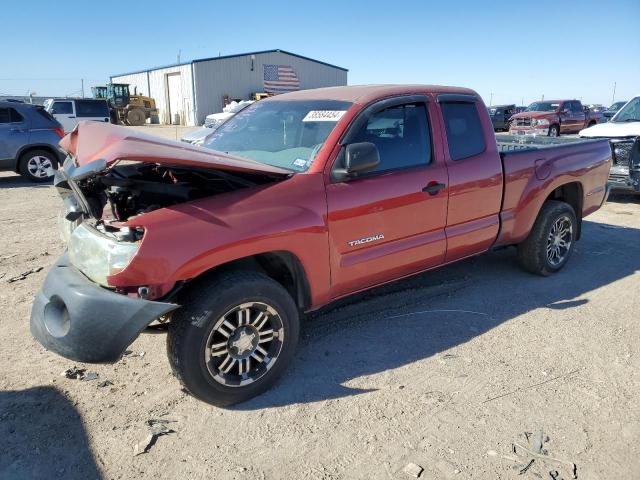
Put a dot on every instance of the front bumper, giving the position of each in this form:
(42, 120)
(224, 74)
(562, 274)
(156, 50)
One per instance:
(79, 320)
(529, 131)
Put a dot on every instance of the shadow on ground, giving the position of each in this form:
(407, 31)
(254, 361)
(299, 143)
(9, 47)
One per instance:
(433, 312)
(17, 181)
(43, 437)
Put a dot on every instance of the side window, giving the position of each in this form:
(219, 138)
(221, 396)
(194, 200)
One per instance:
(465, 135)
(15, 116)
(62, 108)
(401, 135)
(577, 107)
(91, 108)
(5, 116)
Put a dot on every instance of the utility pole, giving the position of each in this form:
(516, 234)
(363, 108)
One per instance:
(613, 98)
(179, 52)
(543, 97)
(82, 86)
(491, 100)
(522, 101)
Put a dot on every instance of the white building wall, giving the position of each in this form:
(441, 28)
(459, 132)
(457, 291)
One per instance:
(137, 82)
(154, 84)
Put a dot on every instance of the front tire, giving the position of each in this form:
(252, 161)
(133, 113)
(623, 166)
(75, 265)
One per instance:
(37, 165)
(551, 240)
(233, 338)
(554, 131)
(136, 117)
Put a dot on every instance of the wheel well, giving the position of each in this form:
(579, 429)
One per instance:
(570, 193)
(31, 148)
(283, 267)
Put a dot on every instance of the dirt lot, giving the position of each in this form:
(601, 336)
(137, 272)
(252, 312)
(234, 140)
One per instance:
(445, 370)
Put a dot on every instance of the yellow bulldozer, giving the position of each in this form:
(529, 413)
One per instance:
(126, 108)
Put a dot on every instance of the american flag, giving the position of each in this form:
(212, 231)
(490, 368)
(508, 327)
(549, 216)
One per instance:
(280, 79)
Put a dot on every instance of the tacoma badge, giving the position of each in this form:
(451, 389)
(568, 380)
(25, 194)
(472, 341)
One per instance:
(372, 238)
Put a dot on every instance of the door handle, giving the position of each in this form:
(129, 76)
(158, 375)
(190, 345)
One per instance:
(433, 188)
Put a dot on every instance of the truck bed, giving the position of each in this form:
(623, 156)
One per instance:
(511, 143)
(533, 166)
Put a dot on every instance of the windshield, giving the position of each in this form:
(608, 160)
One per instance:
(286, 133)
(630, 112)
(543, 107)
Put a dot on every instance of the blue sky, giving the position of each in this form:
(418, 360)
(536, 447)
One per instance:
(516, 50)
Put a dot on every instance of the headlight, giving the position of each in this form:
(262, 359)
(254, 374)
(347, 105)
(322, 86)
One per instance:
(540, 121)
(65, 226)
(97, 255)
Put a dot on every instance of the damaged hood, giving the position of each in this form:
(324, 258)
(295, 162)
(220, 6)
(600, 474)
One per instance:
(92, 141)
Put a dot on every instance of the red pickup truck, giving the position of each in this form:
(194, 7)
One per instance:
(298, 200)
(552, 118)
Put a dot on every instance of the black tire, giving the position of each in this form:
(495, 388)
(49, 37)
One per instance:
(136, 117)
(34, 163)
(190, 340)
(533, 253)
(556, 130)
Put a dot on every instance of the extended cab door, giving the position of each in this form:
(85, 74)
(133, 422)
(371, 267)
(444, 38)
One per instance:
(389, 222)
(475, 176)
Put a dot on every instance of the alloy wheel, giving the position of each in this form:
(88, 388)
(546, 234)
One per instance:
(559, 241)
(39, 166)
(244, 344)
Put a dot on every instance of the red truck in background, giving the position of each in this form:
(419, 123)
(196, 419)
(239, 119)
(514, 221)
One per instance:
(552, 118)
(297, 201)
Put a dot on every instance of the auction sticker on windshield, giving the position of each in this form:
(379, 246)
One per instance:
(324, 115)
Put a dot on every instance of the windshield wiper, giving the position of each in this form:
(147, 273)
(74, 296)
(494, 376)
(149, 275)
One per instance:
(631, 120)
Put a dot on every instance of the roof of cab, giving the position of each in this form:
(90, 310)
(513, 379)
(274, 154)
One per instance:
(367, 93)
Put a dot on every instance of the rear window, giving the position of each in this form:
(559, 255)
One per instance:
(91, 108)
(15, 116)
(5, 116)
(464, 130)
(43, 113)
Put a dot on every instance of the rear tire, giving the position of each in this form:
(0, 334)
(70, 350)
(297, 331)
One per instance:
(233, 338)
(551, 240)
(136, 117)
(36, 165)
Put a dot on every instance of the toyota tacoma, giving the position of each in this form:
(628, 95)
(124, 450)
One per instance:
(295, 202)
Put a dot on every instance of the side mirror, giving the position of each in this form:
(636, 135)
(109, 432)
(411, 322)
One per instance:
(358, 158)
(53, 111)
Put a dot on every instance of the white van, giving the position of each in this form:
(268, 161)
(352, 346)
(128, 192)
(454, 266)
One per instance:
(70, 111)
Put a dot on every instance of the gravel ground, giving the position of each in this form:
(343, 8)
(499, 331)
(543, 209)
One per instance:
(446, 370)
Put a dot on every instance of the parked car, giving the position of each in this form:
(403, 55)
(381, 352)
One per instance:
(70, 111)
(623, 131)
(552, 118)
(612, 110)
(29, 139)
(500, 116)
(301, 199)
(213, 121)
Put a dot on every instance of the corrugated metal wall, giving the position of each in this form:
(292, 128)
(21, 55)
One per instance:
(155, 86)
(216, 78)
(234, 77)
(137, 80)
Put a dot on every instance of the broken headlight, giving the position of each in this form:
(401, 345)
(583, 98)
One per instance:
(99, 255)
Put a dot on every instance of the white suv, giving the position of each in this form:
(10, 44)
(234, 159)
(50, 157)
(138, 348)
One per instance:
(70, 111)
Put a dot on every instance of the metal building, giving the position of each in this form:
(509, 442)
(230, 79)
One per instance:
(186, 93)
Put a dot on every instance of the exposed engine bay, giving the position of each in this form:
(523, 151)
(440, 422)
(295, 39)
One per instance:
(124, 191)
